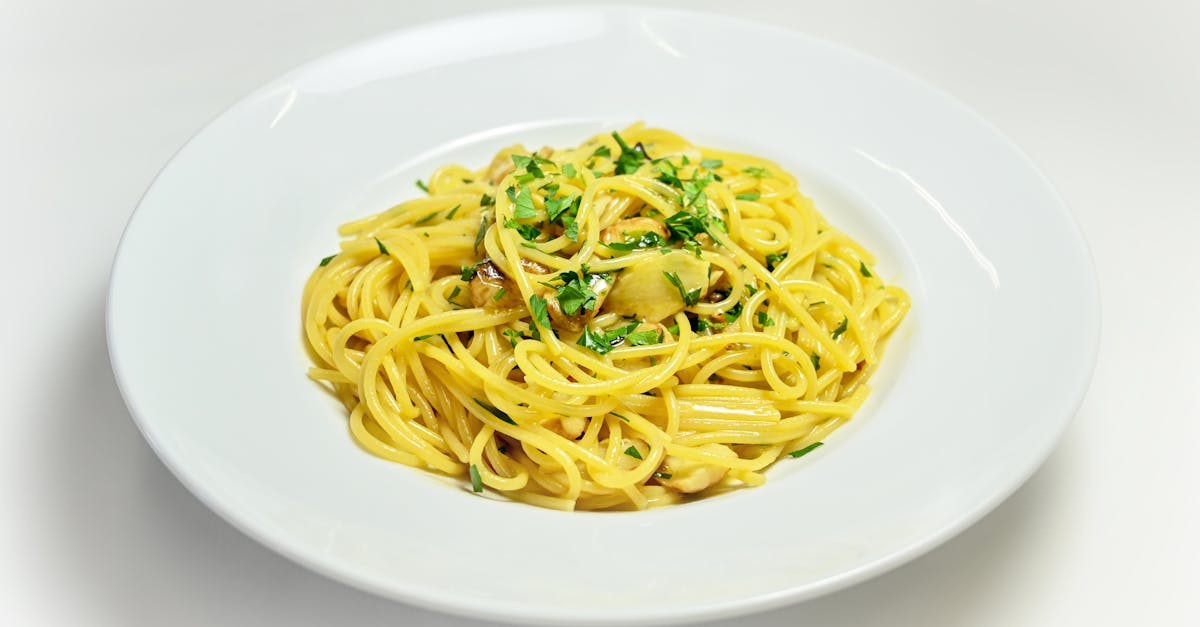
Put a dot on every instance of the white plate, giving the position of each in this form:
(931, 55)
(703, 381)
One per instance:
(204, 326)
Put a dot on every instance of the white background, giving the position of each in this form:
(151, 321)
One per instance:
(95, 97)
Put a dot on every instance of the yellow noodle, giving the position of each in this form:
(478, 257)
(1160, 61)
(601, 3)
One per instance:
(599, 408)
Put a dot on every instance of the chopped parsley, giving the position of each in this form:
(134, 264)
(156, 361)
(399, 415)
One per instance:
(575, 294)
(689, 297)
(556, 207)
(816, 361)
(537, 307)
(775, 260)
(325, 261)
(486, 200)
(684, 225)
(619, 416)
(523, 208)
(450, 214)
(528, 232)
(643, 338)
(496, 412)
(757, 172)
(514, 336)
(529, 164)
(649, 239)
(594, 340)
(765, 320)
(603, 341)
(749, 196)
(425, 219)
(693, 192)
(806, 450)
(422, 186)
(662, 475)
(816, 303)
(630, 159)
(483, 226)
(454, 292)
(476, 480)
(633, 452)
(382, 249)
(572, 230)
(603, 152)
(711, 164)
(841, 328)
(424, 337)
(499, 294)
(468, 272)
(862, 267)
(568, 170)
(667, 172)
(733, 313)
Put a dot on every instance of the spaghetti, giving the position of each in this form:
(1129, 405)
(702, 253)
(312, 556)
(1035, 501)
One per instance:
(619, 325)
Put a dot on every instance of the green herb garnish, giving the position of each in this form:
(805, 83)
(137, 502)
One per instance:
(757, 172)
(841, 328)
(711, 164)
(775, 260)
(862, 267)
(382, 249)
(496, 412)
(325, 261)
(523, 203)
(649, 239)
(765, 320)
(514, 336)
(633, 452)
(476, 480)
(630, 159)
(816, 361)
(749, 196)
(527, 232)
(684, 225)
(468, 272)
(537, 307)
(425, 219)
(689, 297)
(643, 338)
(806, 450)
(499, 294)
(454, 210)
(422, 186)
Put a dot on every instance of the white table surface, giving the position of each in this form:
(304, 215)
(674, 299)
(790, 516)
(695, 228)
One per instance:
(96, 96)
